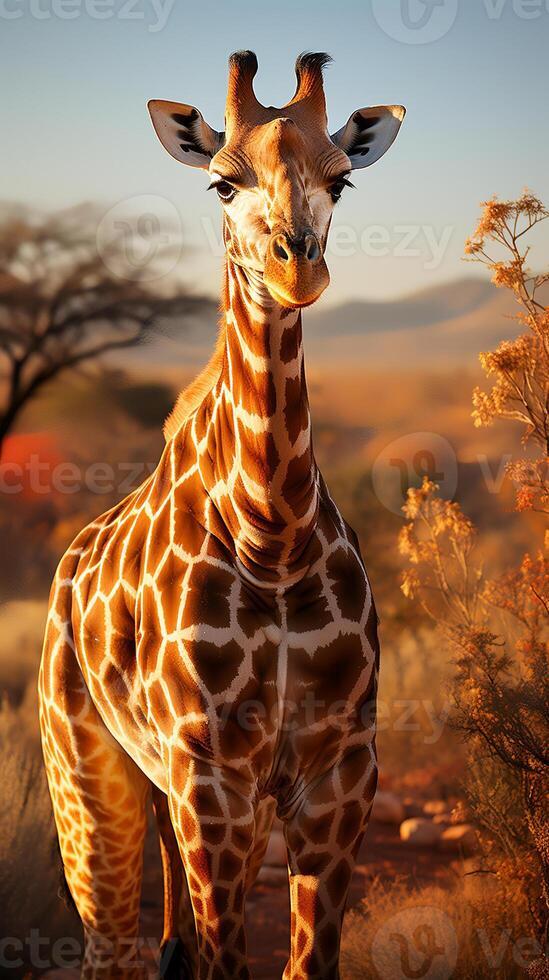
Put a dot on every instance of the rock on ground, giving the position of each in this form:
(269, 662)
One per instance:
(459, 837)
(419, 831)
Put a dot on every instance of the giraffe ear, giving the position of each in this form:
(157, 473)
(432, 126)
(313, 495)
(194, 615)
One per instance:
(183, 132)
(369, 133)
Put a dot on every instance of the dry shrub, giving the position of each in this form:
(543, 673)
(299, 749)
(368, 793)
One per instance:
(498, 629)
(29, 862)
(479, 927)
(518, 369)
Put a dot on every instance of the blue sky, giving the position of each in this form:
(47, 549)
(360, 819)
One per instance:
(75, 126)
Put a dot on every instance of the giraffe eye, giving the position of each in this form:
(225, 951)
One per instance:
(336, 189)
(225, 191)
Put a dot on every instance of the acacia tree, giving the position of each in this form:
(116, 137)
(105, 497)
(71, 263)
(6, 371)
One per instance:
(64, 303)
(499, 629)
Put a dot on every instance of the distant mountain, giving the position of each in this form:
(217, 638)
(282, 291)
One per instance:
(444, 326)
(421, 309)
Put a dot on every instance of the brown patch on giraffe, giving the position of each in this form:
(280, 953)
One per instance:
(132, 541)
(230, 865)
(254, 612)
(349, 583)
(207, 802)
(254, 391)
(324, 672)
(290, 343)
(121, 616)
(296, 410)
(62, 740)
(179, 685)
(350, 824)
(113, 678)
(182, 456)
(160, 708)
(217, 663)
(260, 458)
(254, 333)
(230, 962)
(213, 834)
(328, 940)
(209, 599)
(169, 582)
(187, 533)
(298, 484)
(337, 882)
(149, 621)
(306, 605)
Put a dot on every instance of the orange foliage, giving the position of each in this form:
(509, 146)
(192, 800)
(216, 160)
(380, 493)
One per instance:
(499, 629)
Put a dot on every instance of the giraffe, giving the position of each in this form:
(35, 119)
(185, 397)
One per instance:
(212, 639)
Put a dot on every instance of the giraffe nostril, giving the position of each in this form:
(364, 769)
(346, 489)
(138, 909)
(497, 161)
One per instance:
(313, 249)
(281, 252)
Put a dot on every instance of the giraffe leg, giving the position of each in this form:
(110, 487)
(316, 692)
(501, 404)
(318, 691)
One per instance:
(180, 928)
(214, 821)
(264, 817)
(99, 802)
(323, 837)
(178, 946)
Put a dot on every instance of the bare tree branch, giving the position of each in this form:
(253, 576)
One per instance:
(63, 304)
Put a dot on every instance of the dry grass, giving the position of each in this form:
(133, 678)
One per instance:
(478, 928)
(29, 863)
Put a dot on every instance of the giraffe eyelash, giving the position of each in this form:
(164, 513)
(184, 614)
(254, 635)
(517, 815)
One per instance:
(225, 190)
(335, 189)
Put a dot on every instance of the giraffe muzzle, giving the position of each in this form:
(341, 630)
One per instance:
(295, 271)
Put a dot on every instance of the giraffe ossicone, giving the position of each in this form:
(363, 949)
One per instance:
(212, 639)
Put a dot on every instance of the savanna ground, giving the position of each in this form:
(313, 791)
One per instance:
(420, 895)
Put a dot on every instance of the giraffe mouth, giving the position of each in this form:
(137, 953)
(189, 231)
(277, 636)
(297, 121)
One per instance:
(291, 301)
(295, 272)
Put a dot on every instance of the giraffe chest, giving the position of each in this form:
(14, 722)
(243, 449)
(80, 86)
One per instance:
(273, 685)
(200, 665)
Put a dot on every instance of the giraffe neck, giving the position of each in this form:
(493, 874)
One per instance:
(260, 470)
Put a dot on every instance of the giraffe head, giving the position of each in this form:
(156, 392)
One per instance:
(278, 172)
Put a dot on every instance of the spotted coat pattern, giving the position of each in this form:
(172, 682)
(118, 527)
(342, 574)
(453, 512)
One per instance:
(213, 637)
